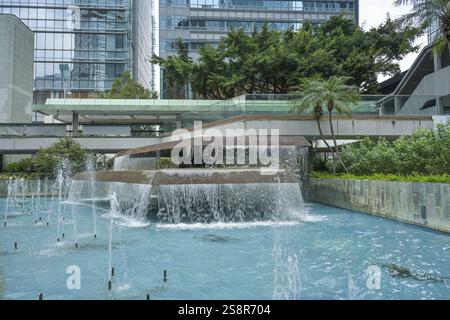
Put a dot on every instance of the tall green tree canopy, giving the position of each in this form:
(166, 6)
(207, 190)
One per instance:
(271, 61)
(125, 87)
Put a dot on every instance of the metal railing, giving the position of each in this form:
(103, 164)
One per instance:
(64, 130)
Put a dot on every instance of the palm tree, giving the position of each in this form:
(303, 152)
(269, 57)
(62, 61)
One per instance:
(426, 12)
(333, 95)
(309, 103)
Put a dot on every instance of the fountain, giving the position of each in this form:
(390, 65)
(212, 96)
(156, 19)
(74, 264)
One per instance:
(8, 198)
(59, 181)
(209, 196)
(114, 212)
(286, 274)
(228, 228)
(90, 168)
(38, 196)
(205, 203)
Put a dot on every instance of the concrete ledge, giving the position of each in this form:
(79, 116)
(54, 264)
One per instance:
(422, 204)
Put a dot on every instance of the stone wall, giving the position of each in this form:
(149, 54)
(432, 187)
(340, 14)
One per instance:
(423, 204)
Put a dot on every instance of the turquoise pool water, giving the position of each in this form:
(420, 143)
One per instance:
(325, 257)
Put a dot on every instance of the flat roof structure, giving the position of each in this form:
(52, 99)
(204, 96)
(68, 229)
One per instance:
(110, 111)
(296, 141)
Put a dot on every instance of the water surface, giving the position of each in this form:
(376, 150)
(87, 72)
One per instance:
(325, 257)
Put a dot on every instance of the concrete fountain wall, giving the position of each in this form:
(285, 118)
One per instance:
(129, 181)
(194, 195)
(423, 204)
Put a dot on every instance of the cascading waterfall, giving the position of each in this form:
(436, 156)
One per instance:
(286, 273)
(206, 203)
(133, 199)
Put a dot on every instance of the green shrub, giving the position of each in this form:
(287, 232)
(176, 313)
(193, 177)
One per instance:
(384, 177)
(426, 152)
(46, 160)
(165, 163)
(24, 165)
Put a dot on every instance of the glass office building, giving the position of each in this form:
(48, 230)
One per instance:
(200, 22)
(81, 46)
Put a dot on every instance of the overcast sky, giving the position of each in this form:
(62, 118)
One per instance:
(373, 13)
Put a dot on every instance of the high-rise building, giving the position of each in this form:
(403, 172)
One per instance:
(16, 65)
(82, 46)
(200, 22)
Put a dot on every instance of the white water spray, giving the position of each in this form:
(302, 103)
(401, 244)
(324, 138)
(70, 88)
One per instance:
(90, 167)
(8, 199)
(113, 214)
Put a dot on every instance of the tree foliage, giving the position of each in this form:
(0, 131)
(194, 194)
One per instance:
(271, 61)
(425, 13)
(46, 161)
(331, 95)
(125, 87)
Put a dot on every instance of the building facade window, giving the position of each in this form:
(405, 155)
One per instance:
(87, 57)
(204, 22)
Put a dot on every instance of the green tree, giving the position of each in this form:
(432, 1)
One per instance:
(125, 87)
(311, 103)
(272, 61)
(332, 95)
(47, 159)
(178, 69)
(426, 12)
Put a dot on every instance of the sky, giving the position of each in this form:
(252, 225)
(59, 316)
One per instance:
(373, 13)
